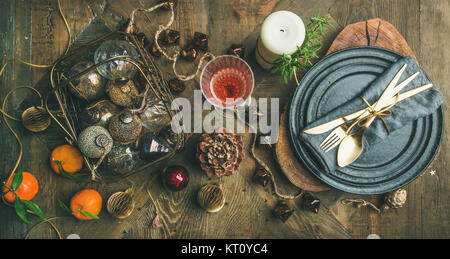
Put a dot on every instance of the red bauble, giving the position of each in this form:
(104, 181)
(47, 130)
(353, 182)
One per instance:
(175, 177)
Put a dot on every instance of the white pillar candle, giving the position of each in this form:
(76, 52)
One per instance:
(281, 33)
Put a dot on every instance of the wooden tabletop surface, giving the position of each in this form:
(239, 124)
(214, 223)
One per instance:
(34, 31)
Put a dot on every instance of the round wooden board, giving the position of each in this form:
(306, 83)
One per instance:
(291, 167)
(374, 32)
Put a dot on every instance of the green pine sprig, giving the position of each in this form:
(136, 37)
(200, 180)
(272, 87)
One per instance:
(301, 60)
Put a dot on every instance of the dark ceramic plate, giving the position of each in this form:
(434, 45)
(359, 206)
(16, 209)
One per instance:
(394, 161)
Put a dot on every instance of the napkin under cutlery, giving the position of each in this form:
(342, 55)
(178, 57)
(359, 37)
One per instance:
(403, 112)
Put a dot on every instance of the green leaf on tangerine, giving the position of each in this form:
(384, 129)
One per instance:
(75, 176)
(64, 207)
(20, 210)
(89, 215)
(34, 208)
(17, 180)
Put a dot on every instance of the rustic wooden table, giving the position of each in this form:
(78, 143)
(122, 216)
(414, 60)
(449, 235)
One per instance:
(33, 31)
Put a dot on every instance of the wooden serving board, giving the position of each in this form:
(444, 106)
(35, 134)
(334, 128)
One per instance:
(374, 32)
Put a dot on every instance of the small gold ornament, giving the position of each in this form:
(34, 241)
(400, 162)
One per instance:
(36, 119)
(211, 198)
(121, 204)
(123, 93)
(395, 199)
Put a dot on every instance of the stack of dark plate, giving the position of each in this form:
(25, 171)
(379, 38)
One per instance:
(390, 164)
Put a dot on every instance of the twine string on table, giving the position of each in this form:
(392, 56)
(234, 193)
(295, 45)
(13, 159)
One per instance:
(162, 28)
(7, 116)
(272, 178)
(360, 203)
(67, 44)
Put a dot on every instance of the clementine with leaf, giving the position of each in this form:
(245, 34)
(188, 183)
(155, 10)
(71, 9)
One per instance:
(86, 204)
(25, 187)
(67, 158)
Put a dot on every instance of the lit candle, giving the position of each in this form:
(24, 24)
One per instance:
(281, 33)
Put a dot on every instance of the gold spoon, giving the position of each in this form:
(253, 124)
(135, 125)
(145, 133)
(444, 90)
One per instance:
(352, 146)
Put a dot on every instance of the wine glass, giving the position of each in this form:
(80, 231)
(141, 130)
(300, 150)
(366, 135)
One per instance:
(227, 81)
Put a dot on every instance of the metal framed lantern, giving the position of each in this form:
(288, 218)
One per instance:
(121, 58)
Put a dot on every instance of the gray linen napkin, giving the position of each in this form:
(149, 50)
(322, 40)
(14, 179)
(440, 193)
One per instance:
(403, 112)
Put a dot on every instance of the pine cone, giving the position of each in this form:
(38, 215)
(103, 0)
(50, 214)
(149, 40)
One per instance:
(395, 199)
(220, 153)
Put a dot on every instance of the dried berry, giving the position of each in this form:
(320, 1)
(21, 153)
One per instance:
(176, 85)
(189, 53)
(170, 37)
(200, 41)
(154, 51)
(166, 6)
(237, 49)
(283, 211)
(261, 176)
(143, 39)
(129, 27)
(310, 203)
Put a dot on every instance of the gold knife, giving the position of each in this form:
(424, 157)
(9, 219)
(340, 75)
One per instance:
(337, 122)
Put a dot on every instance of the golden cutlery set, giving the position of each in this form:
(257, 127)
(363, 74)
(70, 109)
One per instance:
(350, 144)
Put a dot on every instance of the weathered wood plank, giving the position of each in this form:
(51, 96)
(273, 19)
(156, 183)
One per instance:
(434, 56)
(248, 212)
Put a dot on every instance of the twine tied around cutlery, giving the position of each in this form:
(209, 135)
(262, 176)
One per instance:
(385, 112)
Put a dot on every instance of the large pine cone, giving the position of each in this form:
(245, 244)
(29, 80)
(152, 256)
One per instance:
(220, 153)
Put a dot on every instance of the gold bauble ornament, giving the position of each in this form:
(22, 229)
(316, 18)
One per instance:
(121, 204)
(36, 119)
(211, 198)
(122, 93)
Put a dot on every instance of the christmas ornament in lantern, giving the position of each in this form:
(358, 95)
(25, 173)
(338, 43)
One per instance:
(98, 113)
(118, 68)
(154, 116)
(125, 127)
(95, 141)
(122, 93)
(122, 159)
(211, 198)
(175, 177)
(89, 86)
(153, 145)
(220, 154)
